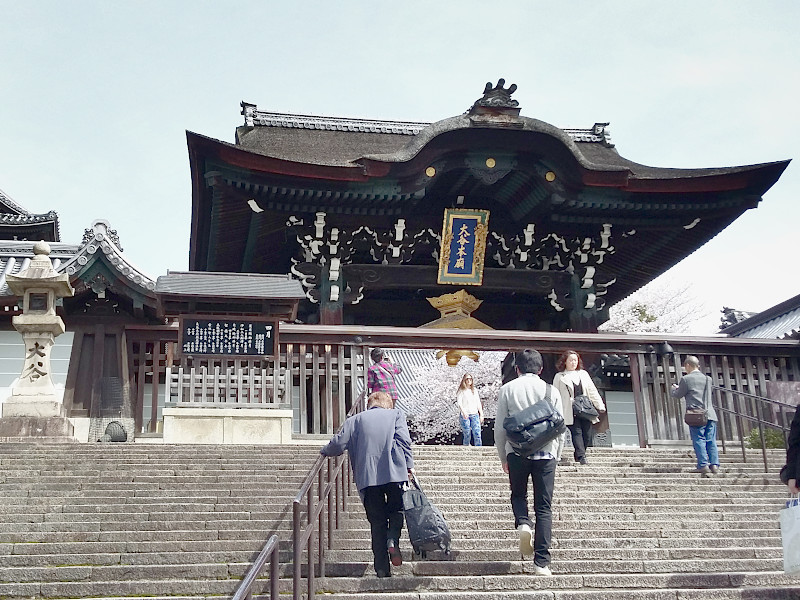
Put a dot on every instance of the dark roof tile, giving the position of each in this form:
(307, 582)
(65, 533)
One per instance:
(229, 285)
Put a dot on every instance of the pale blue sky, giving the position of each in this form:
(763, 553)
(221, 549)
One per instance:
(95, 98)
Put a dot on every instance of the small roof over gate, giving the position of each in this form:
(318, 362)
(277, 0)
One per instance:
(190, 292)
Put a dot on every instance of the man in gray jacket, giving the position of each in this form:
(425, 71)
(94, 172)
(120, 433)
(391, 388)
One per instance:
(379, 446)
(696, 388)
(514, 396)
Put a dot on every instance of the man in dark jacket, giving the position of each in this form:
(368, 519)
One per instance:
(695, 386)
(379, 446)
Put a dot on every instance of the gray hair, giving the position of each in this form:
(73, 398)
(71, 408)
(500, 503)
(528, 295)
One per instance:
(693, 361)
(381, 399)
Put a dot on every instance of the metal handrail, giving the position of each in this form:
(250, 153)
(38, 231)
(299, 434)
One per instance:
(738, 415)
(269, 553)
(331, 499)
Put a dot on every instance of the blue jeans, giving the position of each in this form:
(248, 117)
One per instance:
(473, 426)
(704, 440)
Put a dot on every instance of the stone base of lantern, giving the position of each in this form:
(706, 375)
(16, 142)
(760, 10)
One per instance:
(27, 406)
(49, 430)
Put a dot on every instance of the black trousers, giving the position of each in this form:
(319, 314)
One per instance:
(582, 436)
(543, 475)
(384, 506)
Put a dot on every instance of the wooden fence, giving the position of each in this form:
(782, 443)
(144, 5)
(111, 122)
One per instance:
(319, 370)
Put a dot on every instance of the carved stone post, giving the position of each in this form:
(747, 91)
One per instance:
(34, 412)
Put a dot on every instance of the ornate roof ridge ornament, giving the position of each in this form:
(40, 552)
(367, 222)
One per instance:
(100, 237)
(496, 108)
(497, 96)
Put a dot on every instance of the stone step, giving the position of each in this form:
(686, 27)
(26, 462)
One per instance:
(158, 588)
(187, 522)
(603, 521)
(506, 552)
(665, 593)
(220, 525)
(506, 540)
(597, 585)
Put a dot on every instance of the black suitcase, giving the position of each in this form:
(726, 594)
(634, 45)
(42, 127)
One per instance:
(427, 529)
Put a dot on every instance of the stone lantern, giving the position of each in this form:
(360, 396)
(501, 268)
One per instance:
(34, 410)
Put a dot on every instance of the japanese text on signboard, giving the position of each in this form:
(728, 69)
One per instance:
(226, 337)
(463, 246)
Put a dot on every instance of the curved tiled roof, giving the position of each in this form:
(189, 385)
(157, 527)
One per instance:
(18, 223)
(15, 256)
(781, 321)
(9, 204)
(104, 239)
(339, 141)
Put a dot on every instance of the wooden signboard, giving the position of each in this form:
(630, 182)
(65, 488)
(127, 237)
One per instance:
(463, 246)
(204, 336)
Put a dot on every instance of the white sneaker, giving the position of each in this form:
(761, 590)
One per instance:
(544, 571)
(525, 539)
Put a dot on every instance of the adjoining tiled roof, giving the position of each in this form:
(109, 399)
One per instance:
(104, 239)
(782, 321)
(8, 203)
(10, 219)
(15, 256)
(229, 285)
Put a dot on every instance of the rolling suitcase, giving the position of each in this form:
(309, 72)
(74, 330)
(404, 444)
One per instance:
(427, 529)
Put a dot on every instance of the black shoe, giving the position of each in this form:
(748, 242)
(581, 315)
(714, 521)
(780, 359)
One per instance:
(583, 461)
(394, 553)
(383, 574)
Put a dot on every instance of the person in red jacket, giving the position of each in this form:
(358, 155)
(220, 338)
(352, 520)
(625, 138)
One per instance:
(381, 375)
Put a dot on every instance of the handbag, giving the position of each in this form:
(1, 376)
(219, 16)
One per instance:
(583, 407)
(790, 535)
(532, 428)
(697, 416)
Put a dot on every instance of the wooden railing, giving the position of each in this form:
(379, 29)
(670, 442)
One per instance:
(245, 382)
(736, 372)
(320, 370)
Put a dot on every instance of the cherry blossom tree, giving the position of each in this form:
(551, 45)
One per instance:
(660, 306)
(433, 413)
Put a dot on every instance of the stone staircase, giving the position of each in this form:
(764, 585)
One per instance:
(634, 524)
(128, 521)
(141, 520)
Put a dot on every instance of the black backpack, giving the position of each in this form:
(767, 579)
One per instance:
(532, 428)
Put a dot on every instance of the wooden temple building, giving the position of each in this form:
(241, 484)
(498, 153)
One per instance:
(338, 235)
(354, 208)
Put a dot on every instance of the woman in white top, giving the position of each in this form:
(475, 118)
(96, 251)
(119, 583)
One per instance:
(571, 381)
(469, 405)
